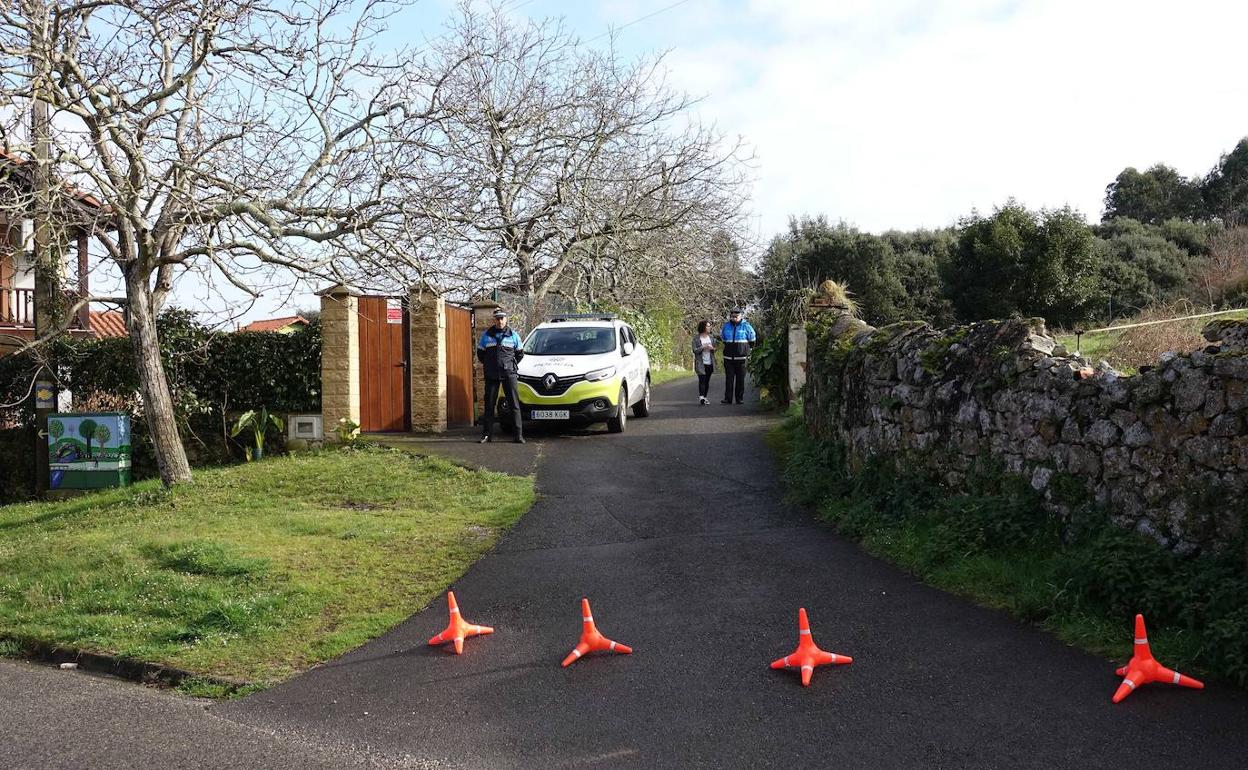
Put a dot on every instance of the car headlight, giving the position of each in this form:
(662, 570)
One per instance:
(601, 374)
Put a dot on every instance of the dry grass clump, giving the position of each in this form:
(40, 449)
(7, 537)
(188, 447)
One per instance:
(1143, 345)
(833, 294)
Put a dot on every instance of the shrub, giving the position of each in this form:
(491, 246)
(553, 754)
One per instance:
(211, 375)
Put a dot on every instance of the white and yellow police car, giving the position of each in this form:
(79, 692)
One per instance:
(583, 368)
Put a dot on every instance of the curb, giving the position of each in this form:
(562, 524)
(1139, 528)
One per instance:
(113, 665)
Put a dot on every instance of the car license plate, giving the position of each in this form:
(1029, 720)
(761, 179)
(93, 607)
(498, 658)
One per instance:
(549, 414)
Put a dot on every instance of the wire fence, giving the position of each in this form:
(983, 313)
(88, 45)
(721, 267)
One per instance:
(1080, 332)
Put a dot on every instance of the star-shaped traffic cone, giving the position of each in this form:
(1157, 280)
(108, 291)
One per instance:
(808, 655)
(591, 639)
(458, 629)
(1144, 668)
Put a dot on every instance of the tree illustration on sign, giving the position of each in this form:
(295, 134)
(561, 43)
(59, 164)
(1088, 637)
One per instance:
(86, 429)
(102, 435)
(57, 429)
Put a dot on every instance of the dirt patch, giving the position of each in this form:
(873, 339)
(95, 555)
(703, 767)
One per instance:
(479, 533)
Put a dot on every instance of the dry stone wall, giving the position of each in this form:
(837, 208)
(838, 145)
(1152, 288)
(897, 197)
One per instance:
(1164, 450)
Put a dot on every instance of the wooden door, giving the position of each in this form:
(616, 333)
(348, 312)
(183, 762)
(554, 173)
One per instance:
(460, 350)
(384, 401)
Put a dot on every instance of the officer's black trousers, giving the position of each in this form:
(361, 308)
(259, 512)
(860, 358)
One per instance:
(491, 398)
(734, 380)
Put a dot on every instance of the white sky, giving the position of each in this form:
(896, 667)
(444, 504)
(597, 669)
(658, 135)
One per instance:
(911, 113)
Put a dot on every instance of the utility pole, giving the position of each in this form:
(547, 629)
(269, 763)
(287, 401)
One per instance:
(45, 258)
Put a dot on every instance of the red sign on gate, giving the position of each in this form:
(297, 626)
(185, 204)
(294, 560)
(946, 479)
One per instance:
(394, 311)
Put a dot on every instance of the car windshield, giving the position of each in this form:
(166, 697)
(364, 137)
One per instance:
(570, 341)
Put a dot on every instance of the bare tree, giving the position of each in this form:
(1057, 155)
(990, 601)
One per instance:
(1226, 269)
(562, 159)
(226, 137)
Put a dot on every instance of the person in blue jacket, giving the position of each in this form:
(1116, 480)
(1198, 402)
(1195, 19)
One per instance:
(739, 338)
(499, 350)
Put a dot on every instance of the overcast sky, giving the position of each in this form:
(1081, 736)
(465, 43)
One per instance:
(911, 113)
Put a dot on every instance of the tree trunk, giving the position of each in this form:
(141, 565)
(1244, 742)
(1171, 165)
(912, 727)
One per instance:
(162, 426)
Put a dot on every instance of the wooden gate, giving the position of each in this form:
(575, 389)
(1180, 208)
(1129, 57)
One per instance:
(460, 350)
(384, 397)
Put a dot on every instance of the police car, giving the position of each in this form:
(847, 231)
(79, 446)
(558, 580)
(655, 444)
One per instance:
(581, 369)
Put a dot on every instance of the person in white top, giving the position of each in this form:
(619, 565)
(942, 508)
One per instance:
(704, 359)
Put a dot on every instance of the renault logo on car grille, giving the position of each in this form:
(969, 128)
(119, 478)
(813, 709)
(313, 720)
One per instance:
(548, 382)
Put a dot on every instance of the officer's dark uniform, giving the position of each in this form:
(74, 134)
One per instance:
(499, 352)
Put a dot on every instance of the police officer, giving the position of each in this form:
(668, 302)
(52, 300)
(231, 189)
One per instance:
(499, 352)
(738, 337)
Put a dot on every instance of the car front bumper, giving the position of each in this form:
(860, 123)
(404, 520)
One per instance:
(585, 412)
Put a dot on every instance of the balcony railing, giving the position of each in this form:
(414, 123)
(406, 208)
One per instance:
(17, 308)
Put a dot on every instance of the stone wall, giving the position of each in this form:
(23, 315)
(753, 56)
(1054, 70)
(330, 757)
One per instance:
(1164, 451)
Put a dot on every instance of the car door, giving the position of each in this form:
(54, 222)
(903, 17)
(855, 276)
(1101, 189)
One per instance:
(642, 353)
(634, 364)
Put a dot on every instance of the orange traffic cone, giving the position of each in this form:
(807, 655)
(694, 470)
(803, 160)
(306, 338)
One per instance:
(1144, 668)
(808, 655)
(458, 628)
(591, 639)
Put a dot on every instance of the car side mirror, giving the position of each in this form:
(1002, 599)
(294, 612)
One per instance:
(628, 348)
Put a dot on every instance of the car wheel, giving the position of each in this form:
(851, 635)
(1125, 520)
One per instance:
(642, 407)
(617, 423)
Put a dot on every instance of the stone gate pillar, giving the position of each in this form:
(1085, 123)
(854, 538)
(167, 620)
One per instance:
(427, 332)
(340, 357)
(797, 358)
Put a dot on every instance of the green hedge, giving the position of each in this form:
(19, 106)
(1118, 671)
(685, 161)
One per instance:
(211, 375)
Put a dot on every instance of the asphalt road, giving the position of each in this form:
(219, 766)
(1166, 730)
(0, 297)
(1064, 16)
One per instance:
(70, 720)
(677, 533)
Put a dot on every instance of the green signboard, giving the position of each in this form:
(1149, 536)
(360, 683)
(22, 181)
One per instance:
(89, 450)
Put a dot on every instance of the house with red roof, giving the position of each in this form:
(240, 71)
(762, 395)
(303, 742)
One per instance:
(284, 325)
(80, 214)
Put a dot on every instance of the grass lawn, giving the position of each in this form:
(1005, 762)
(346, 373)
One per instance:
(660, 376)
(253, 572)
